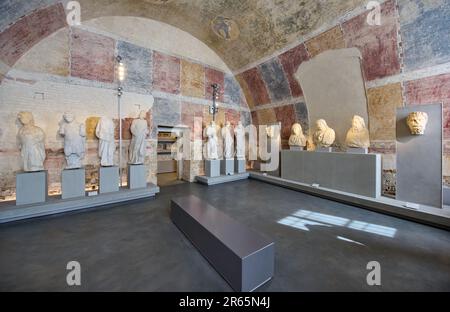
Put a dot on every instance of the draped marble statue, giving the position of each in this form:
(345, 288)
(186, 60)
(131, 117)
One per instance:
(324, 135)
(358, 135)
(211, 146)
(31, 143)
(239, 133)
(107, 145)
(74, 134)
(228, 141)
(297, 138)
(139, 130)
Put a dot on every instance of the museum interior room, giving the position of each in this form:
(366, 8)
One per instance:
(225, 145)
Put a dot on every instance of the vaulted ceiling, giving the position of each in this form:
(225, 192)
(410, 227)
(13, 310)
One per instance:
(240, 31)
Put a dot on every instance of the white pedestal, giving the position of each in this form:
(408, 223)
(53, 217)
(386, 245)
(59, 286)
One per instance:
(137, 176)
(212, 168)
(227, 166)
(73, 183)
(31, 187)
(297, 148)
(240, 165)
(109, 179)
(356, 150)
(324, 149)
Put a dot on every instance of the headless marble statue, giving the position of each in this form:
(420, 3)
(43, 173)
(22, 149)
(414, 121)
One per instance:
(239, 132)
(357, 135)
(228, 141)
(297, 137)
(31, 143)
(324, 135)
(211, 146)
(74, 134)
(107, 145)
(139, 130)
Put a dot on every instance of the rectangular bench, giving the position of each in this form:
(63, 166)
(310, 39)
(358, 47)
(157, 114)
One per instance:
(243, 257)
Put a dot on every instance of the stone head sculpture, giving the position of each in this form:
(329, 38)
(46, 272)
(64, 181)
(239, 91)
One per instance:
(297, 138)
(321, 124)
(296, 129)
(26, 118)
(417, 122)
(69, 117)
(358, 123)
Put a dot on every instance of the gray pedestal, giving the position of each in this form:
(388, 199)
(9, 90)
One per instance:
(212, 168)
(137, 176)
(31, 187)
(109, 179)
(354, 173)
(419, 158)
(324, 149)
(73, 183)
(296, 148)
(243, 257)
(227, 166)
(239, 165)
(354, 150)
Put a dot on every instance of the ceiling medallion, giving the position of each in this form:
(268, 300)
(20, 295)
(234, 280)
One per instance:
(225, 28)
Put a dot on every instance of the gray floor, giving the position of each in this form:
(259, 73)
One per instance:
(135, 246)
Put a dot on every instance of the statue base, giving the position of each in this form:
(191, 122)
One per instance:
(227, 166)
(109, 179)
(31, 187)
(357, 150)
(297, 148)
(212, 168)
(240, 165)
(73, 183)
(324, 149)
(137, 176)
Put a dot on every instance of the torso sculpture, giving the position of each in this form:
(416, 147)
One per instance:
(74, 141)
(211, 146)
(297, 137)
(139, 130)
(228, 141)
(239, 132)
(31, 143)
(324, 135)
(357, 135)
(107, 145)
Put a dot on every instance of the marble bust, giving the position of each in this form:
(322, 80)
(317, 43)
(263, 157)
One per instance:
(31, 143)
(239, 132)
(74, 134)
(138, 145)
(107, 146)
(297, 137)
(417, 122)
(211, 146)
(228, 141)
(358, 135)
(324, 135)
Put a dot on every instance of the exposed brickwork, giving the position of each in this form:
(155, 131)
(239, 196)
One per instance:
(27, 31)
(92, 56)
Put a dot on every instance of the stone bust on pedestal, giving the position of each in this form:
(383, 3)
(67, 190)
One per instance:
(31, 143)
(139, 130)
(297, 138)
(324, 135)
(74, 134)
(358, 135)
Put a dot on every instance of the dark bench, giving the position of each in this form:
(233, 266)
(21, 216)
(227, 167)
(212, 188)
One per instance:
(243, 257)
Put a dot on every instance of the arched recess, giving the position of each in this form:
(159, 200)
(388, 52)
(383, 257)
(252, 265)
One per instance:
(49, 68)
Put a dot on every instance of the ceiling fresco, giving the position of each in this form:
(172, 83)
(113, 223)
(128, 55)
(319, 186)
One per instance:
(240, 31)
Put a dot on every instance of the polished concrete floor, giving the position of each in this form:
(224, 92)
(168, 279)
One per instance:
(320, 245)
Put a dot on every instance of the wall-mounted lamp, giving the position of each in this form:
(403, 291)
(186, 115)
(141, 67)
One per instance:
(121, 72)
(214, 108)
